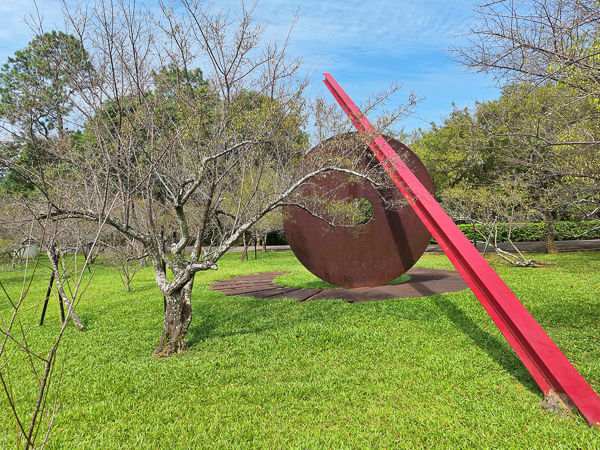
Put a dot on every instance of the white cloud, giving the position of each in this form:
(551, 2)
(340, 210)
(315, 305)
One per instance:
(395, 28)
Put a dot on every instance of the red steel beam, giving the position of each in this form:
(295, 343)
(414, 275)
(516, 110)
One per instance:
(547, 364)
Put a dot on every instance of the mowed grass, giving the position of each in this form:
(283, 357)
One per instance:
(428, 372)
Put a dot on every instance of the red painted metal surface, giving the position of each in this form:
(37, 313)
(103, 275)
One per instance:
(547, 364)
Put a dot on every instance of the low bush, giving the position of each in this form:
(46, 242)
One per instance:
(534, 232)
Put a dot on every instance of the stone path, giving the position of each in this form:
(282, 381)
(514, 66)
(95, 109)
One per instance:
(423, 282)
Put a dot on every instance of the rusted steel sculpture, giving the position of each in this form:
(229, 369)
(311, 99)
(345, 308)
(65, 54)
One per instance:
(547, 364)
(370, 254)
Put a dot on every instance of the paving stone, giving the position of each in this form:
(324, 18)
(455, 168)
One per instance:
(278, 292)
(423, 282)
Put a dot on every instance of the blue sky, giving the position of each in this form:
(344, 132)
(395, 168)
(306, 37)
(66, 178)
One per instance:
(363, 45)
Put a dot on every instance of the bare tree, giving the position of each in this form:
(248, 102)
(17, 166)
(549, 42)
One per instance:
(536, 41)
(553, 45)
(38, 364)
(126, 256)
(271, 223)
(161, 145)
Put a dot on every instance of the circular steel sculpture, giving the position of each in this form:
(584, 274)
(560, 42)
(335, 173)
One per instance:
(370, 254)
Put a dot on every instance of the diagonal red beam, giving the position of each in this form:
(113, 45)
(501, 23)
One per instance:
(547, 364)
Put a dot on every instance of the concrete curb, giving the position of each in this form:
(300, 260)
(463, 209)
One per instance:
(591, 245)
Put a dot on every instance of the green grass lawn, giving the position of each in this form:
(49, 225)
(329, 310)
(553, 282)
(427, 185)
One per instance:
(428, 372)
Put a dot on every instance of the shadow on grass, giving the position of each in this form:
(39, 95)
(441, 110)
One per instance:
(315, 285)
(208, 318)
(498, 349)
(238, 316)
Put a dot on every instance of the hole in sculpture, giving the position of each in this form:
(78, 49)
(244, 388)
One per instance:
(360, 211)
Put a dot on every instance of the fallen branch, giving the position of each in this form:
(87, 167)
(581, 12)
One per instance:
(521, 261)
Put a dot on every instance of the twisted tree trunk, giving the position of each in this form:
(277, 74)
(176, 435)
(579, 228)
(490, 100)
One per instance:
(178, 315)
(54, 256)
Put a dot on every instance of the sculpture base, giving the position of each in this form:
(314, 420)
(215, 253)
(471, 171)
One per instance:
(423, 282)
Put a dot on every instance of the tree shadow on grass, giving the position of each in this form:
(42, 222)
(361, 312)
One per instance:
(208, 318)
(498, 349)
(249, 316)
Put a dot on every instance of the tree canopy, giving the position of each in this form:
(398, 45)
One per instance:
(500, 161)
(36, 84)
(36, 90)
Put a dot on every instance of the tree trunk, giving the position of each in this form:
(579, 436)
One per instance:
(549, 239)
(178, 315)
(54, 256)
(245, 252)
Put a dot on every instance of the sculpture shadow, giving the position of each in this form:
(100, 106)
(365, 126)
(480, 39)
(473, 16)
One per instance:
(498, 349)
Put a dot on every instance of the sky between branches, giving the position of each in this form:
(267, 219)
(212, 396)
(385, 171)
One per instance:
(364, 45)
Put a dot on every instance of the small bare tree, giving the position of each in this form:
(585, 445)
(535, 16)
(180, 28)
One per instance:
(271, 223)
(37, 365)
(126, 256)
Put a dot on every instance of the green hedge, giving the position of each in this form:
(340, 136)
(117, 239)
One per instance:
(532, 232)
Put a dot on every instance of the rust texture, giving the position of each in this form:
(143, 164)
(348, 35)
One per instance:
(368, 255)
